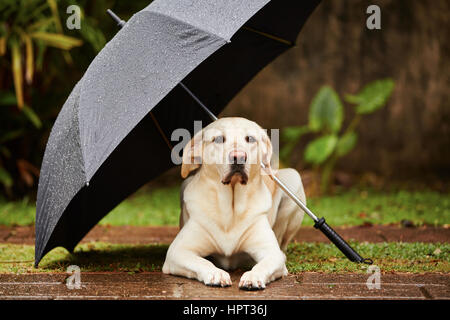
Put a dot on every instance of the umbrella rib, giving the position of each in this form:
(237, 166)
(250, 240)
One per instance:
(270, 36)
(193, 96)
(160, 130)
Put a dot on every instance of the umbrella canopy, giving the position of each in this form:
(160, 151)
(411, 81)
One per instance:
(113, 133)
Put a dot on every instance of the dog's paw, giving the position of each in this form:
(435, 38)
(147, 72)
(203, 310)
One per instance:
(252, 280)
(285, 272)
(217, 278)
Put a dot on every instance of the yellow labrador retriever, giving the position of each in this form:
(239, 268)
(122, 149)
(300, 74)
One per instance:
(231, 211)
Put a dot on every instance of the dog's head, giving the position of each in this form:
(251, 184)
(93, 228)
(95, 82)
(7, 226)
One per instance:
(230, 149)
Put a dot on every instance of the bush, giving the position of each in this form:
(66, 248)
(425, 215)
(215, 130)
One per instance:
(326, 116)
(40, 62)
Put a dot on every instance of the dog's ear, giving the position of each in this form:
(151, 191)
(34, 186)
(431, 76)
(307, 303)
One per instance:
(266, 149)
(192, 155)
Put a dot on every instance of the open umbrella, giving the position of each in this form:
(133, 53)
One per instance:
(112, 134)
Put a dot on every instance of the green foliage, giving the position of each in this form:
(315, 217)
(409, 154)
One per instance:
(32, 116)
(326, 112)
(27, 27)
(346, 143)
(40, 62)
(372, 97)
(7, 98)
(5, 178)
(291, 135)
(25, 24)
(326, 115)
(320, 149)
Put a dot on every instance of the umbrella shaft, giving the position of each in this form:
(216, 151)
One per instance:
(293, 196)
(210, 114)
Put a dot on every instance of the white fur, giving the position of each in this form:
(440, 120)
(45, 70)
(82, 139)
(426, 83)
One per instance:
(234, 224)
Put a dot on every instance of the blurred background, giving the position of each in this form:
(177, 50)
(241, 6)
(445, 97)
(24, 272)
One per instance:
(361, 111)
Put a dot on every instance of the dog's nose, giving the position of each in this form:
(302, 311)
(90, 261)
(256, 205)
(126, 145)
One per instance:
(237, 157)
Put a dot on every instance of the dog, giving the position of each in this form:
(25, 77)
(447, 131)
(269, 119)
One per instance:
(232, 213)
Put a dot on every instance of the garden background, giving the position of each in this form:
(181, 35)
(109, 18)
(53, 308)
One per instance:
(394, 169)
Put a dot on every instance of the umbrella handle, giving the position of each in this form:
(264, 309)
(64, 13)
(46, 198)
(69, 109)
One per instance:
(345, 248)
(320, 224)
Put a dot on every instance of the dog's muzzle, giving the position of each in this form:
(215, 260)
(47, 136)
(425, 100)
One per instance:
(237, 170)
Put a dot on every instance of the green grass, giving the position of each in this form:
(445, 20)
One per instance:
(157, 208)
(17, 213)
(388, 256)
(301, 257)
(357, 207)
(354, 207)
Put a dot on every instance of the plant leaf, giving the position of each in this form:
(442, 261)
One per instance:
(40, 25)
(41, 48)
(7, 99)
(5, 151)
(32, 116)
(286, 151)
(291, 136)
(29, 56)
(92, 35)
(372, 97)
(5, 178)
(57, 40)
(318, 150)
(346, 143)
(326, 112)
(2, 46)
(29, 60)
(293, 133)
(11, 135)
(17, 72)
(54, 8)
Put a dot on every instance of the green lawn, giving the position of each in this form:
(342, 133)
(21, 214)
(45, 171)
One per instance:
(161, 207)
(354, 207)
(301, 257)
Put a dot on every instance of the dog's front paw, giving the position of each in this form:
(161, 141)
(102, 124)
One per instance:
(252, 280)
(216, 278)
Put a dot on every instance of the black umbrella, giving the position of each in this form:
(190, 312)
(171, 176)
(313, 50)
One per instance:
(117, 120)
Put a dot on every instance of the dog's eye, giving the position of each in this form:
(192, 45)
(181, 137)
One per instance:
(219, 139)
(250, 139)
